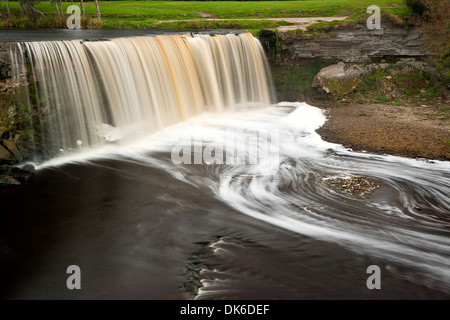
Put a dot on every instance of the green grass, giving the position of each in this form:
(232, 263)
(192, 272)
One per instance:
(381, 98)
(430, 93)
(396, 16)
(247, 9)
(224, 24)
(437, 116)
(308, 34)
(255, 32)
(147, 14)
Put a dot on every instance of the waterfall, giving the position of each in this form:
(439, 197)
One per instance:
(92, 92)
(306, 219)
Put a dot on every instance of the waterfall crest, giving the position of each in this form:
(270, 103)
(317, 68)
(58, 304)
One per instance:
(92, 92)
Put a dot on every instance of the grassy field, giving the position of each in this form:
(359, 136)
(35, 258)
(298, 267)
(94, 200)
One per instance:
(149, 14)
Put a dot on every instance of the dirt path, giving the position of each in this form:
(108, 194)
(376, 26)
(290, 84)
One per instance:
(378, 128)
(204, 14)
(297, 23)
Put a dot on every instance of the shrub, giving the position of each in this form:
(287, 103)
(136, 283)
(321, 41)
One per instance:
(436, 29)
(417, 6)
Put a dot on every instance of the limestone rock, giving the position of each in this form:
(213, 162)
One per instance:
(339, 79)
(6, 157)
(389, 89)
(357, 44)
(419, 65)
(12, 147)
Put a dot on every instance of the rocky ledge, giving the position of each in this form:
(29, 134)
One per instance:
(11, 154)
(14, 176)
(355, 43)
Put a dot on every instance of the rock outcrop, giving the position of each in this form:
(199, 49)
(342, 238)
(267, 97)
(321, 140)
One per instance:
(6, 157)
(13, 176)
(5, 61)
(11, 155)
(10, 151)
(388, 89)
(356, 44)
(13, 114)
(340, 79)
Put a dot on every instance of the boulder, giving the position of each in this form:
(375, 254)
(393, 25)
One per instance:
(340, 79)
(389, 89)
(6, 157)
(29, 168)
(419, 65)
(12, 147)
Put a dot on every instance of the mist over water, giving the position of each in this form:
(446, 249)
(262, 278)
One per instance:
(143, 226)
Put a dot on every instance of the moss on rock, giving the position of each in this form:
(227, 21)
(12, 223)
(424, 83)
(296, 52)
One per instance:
(340, 87)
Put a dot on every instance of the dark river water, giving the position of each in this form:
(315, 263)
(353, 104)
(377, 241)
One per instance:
(12, 35)
(141, 227)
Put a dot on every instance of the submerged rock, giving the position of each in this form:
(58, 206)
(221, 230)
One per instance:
(355, 186)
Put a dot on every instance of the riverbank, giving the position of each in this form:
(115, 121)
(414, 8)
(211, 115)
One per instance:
(416, 132)
(387, 104)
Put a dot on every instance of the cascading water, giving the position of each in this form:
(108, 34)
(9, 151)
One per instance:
(126, 88)
(141, 225)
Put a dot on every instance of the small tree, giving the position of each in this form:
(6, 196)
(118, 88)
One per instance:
(56, 7)
(7, 7)
(436, 29)
(98, 10)
(22, 8)
(417, 6)
(29, 9)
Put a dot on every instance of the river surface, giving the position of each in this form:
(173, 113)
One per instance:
(140, 226)
(13, 35)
